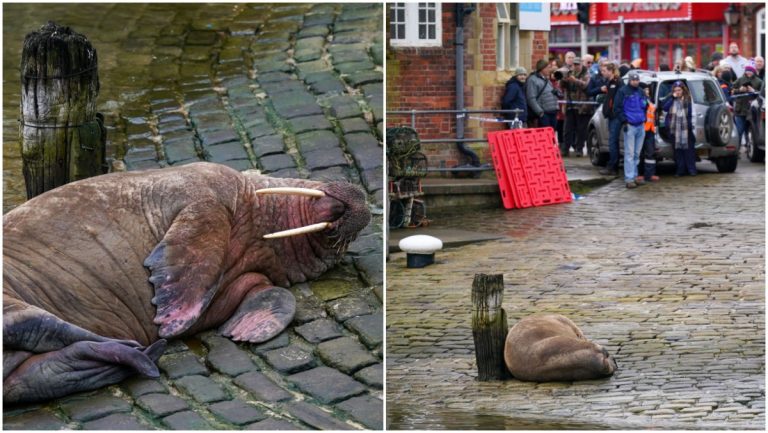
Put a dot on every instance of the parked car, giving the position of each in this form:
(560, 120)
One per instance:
(716, 137)
(755, 135)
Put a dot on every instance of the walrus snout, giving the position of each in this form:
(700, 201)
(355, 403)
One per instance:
(609, 363)
(345, 205)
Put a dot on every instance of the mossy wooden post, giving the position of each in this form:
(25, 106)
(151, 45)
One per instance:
(489, 327)
(62, 137)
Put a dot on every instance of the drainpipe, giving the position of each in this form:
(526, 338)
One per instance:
(461, 12)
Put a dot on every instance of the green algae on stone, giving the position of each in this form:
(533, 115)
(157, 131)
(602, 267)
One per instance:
(329, 289)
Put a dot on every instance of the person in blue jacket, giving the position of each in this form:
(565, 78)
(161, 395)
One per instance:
(630, 107)
(514, 97)
(679, 121)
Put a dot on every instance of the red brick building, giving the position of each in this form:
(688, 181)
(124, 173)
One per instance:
(422, 65)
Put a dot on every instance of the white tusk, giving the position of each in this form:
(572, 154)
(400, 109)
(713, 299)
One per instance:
(292, 191)
(298, 231)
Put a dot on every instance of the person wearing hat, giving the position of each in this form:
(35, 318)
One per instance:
(679, 123)
(514, 97)
(631, 104)
(576, 115)
(748, 83)
(717, 57)
(541, 96)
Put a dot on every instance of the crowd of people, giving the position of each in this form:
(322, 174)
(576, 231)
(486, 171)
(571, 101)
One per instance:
(564, 96)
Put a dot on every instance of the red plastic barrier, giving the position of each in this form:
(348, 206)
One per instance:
(500, 167)
(530, 168)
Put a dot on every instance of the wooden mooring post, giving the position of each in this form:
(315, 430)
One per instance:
(489, 326)
(62, 137)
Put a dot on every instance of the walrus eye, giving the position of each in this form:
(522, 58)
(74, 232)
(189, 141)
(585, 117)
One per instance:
(292, 191)
(298, 231)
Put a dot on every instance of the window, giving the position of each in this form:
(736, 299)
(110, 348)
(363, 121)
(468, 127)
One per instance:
(705, 92)
(397, 23)
(415, 25)
(507, 37)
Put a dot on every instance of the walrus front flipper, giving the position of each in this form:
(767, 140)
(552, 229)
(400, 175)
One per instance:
(186, 265)
(81, 366)
(263, 314)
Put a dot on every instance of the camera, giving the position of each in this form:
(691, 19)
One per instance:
(561, 73)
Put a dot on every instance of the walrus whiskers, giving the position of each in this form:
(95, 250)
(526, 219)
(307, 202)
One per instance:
(298, 231)
(308, 192)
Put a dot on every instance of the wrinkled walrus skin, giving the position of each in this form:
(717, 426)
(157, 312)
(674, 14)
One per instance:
(99, 272)
(551, 348)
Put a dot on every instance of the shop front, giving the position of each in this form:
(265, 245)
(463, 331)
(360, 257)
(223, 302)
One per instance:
(658, 33)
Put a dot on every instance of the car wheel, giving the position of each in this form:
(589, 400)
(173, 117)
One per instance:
(719, 125)
(727, 164)
(596, 157)
(753, 153)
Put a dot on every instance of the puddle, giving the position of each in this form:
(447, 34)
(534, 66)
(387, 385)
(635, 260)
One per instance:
(410, 417)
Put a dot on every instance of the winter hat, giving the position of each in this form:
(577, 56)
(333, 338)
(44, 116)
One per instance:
(541, 64)
(717, 56)
(521, 71)
(633, 75)
(751, 68)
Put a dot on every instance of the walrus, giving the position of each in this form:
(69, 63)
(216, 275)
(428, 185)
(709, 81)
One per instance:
(98, 273)
(551, 348)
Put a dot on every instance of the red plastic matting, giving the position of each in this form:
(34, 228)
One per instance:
(529, 167)
(500, 168)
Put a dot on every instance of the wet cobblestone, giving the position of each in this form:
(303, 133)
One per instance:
(248, 86)
(669, 278)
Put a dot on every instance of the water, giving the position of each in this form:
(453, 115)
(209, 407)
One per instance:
(419, 418)
(146, 55)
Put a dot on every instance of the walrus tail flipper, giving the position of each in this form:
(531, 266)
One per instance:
(81, 366)
(261, 315)
(186, 265)
(32, 329)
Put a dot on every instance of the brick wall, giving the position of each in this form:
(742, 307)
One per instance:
(424, 78)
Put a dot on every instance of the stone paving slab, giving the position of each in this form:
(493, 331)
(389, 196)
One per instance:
(668, 279)
(248, 86)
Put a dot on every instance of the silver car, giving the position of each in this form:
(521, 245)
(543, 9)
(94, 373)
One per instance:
(716, 137)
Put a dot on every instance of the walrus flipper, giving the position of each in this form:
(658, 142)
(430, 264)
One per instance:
(186, 265)
(81, 366)
(263, 314)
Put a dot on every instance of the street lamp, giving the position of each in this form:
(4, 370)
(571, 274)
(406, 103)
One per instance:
(731, 15)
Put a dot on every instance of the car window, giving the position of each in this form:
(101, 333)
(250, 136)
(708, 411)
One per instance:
(705, 92)
(665, 88)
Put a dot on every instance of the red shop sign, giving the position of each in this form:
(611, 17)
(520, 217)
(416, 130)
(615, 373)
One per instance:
(642, 12)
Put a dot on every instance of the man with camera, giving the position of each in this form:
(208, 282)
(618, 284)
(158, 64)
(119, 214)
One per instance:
(542, 96)
(574, 82)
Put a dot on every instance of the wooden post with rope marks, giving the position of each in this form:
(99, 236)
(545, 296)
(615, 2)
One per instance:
(62, 137)
(489, 327)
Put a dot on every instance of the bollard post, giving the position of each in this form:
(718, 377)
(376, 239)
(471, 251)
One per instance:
(489, 327)
(62, 137)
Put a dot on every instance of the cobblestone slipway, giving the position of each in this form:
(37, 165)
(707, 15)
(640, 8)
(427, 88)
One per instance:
(669, 277)
(295, 91)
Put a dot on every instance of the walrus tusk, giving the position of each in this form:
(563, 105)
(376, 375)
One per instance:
(292, 191)
(298, 231)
